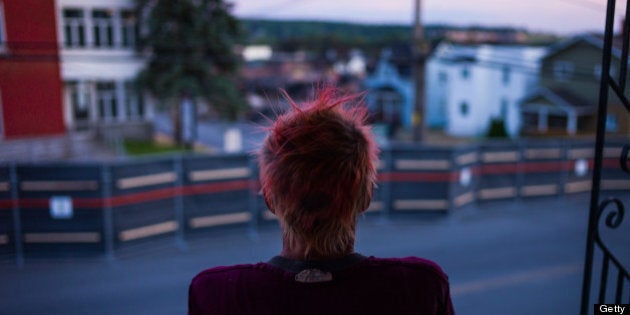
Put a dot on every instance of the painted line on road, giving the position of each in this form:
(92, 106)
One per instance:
(515, 279)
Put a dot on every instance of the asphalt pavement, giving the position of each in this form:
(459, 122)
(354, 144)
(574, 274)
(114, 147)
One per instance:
(502, 257)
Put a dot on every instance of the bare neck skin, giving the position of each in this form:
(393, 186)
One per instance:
(297, 251)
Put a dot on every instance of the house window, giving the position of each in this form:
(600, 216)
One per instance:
(103, 28)
(505, 75)
(128, 30)
(79, 99)
(134, 105)
(442, 77)
(465, 73)
(563, 70)
(464, 109)
(106, 100)
(74, 28)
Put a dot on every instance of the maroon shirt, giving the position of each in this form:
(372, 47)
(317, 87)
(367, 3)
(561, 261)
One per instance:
(353, 284)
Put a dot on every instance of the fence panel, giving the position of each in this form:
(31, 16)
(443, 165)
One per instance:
(142, 199)
(542, 169)
(466, 169)
(498, 171)
(579, 167)
(420, 178)
(60, 207)
(613, 180)
(218, 191)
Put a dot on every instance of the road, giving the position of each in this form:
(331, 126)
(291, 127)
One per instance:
(503, 257)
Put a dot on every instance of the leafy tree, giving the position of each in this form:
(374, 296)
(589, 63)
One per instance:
(496, 129)
(189, 44)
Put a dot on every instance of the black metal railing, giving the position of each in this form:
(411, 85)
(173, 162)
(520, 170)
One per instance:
(614, 207)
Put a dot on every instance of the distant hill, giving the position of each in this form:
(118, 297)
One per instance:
(317, 35)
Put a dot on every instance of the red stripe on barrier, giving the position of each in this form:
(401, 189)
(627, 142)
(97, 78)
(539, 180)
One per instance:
(145, 196)
(139, 197)
(417, 177)
(33, 203)
(546, 167)
(6, 204)
(498, 169)
(243, 184)
(216, 187)
(606, 163)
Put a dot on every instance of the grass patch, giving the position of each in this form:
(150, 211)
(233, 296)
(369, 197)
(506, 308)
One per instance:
(141, 147)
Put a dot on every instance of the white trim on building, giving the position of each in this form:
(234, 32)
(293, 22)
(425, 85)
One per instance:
(99, 62)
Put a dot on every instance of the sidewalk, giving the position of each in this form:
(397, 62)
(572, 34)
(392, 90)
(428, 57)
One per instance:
(502, 257)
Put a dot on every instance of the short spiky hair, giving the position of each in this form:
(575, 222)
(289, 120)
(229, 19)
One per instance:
(317, 170)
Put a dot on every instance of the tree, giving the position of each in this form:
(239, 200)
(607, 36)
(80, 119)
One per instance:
(189, 44)
(496, 129)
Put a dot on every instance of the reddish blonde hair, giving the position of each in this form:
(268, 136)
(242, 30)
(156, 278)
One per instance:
(317, 171)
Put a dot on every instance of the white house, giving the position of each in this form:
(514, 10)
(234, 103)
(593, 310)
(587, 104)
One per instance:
(99, 63)
(467, 86)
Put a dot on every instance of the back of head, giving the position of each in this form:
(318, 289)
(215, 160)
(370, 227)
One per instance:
(317, 171)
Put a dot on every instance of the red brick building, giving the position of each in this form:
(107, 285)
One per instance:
(30, 80)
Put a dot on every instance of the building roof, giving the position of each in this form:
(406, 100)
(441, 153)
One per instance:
(596, 40)
(512, 55)
(560, 98)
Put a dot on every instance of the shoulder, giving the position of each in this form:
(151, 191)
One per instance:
(226, 273)
(411, 265)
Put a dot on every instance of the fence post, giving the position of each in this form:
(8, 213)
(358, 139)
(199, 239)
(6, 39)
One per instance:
(17, 220)
(386, 185)
(253, 200)
(178, 167)
(520, 173)
(108, 216)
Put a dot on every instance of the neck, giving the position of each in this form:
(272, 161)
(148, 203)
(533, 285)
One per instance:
(297, 250)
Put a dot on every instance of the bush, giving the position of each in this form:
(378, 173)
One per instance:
(497, 129)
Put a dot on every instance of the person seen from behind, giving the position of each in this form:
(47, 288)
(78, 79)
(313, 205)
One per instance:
(317, 173)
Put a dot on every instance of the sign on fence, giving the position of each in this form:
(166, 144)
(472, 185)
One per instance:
(61, 207)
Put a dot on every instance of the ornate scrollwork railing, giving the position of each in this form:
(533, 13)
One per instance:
(613, 221)
(614, 207)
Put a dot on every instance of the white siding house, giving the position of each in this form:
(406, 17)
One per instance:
(468, 86)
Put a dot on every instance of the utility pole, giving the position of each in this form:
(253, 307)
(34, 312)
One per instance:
(420, 52)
